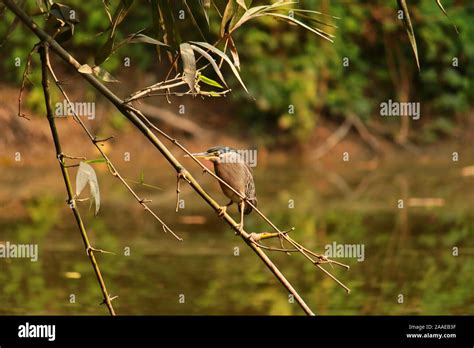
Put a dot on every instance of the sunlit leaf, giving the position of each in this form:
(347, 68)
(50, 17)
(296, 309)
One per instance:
(209, 81)
(242, 3)
(227, 17)
(224, 56)
(211, 60)
(189, 64)
(317, 31)
(86, 174)
(409, 29)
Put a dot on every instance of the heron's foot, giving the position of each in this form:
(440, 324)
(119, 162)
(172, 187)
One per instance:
(221, 211)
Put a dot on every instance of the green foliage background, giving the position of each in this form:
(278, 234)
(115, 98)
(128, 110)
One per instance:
(290, 69)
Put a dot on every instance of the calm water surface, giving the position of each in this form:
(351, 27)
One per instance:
(408, 266)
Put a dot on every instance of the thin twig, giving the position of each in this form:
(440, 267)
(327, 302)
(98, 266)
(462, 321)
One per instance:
(112, 169)
(59, 154)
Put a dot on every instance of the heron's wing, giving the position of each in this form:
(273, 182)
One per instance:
(250, 186)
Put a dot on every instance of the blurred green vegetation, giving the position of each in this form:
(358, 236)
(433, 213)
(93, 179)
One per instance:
(296, 77)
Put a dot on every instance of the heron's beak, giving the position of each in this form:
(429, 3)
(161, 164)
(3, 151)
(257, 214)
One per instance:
(203, 155)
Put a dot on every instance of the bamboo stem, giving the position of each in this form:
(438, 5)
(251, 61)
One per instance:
(133, 116)
(43, 50)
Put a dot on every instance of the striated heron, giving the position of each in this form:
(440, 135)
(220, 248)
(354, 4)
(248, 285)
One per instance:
(230, 166)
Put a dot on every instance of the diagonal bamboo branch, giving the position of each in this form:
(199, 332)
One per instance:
(43, 50)
(136, 118)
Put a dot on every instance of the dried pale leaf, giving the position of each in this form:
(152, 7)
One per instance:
(440, 5)
(94, 186)
(293, 20)
(242, 3)
(206, 5)
(82, 177)
(142, 38)
(86, 174)
(189, 64)
(234, 52)
(227, 17)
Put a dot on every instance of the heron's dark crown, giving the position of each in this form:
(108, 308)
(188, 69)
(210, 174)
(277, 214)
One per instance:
(220, 150)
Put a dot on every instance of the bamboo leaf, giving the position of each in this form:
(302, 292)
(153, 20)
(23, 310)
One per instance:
(234, 52)
(105, 51)
(211, 60)
(189, 64)
(209, 81)
(440, 5)
(317, 31)
(409, 29)
(86, 174)
(227, 17)
(242, 4)
(224, 56)
(206, 5)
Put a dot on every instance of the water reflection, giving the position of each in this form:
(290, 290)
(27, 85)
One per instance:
(409, 266)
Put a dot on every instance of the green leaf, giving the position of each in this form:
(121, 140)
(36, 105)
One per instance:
(409, 29)
(209, 81)
(189, 64)
(211, 60)
(104, 52)
(224, 56)
(98, 160)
